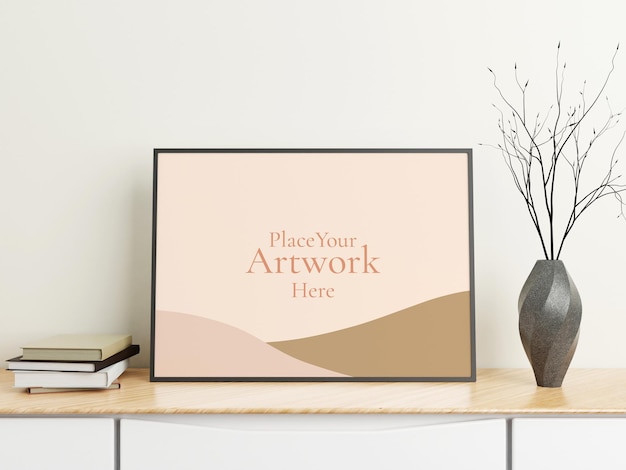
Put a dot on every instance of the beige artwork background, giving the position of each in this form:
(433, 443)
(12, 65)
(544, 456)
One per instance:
(215, 210)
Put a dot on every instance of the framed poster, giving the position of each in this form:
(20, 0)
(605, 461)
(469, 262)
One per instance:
(312, 265)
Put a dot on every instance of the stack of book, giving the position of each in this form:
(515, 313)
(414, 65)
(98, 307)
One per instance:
(73, 362)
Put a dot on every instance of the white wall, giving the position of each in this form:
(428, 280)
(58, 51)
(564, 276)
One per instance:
(88, 89)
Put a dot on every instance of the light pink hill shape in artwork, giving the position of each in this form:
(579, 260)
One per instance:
(192, 346)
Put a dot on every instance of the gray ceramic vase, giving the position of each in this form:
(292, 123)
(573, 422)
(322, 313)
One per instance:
(549, 319)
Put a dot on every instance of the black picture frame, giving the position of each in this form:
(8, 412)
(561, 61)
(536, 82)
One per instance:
(172, 357)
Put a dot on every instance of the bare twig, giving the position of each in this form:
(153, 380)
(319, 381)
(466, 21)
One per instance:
(533, 152)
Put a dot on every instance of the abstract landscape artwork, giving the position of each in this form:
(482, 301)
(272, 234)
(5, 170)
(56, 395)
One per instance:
(312, 265)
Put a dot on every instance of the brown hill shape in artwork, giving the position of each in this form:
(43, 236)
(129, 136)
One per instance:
(431, 339)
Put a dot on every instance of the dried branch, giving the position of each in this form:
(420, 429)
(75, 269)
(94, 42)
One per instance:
(533, 152)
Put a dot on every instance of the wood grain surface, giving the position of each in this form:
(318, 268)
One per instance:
(496, 392)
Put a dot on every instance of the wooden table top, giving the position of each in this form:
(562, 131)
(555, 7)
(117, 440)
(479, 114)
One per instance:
(495, 392)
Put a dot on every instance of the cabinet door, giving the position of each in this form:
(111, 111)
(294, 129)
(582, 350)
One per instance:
(479, 445)
(571, 443)
(57, 443)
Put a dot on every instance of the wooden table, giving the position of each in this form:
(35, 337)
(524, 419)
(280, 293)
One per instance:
(495, 392)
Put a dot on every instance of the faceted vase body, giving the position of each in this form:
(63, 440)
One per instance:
(549, 319)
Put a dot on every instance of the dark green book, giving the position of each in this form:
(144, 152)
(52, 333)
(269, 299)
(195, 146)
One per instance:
(18, 363)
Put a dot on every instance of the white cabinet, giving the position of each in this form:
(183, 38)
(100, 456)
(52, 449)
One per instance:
(502, 421)
(57, 443)
(571, 443)
(153, 445)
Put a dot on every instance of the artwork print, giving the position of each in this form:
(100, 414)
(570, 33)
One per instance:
(312, 265)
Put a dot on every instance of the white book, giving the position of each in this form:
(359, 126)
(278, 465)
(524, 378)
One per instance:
(54, 379)
(33, 390)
